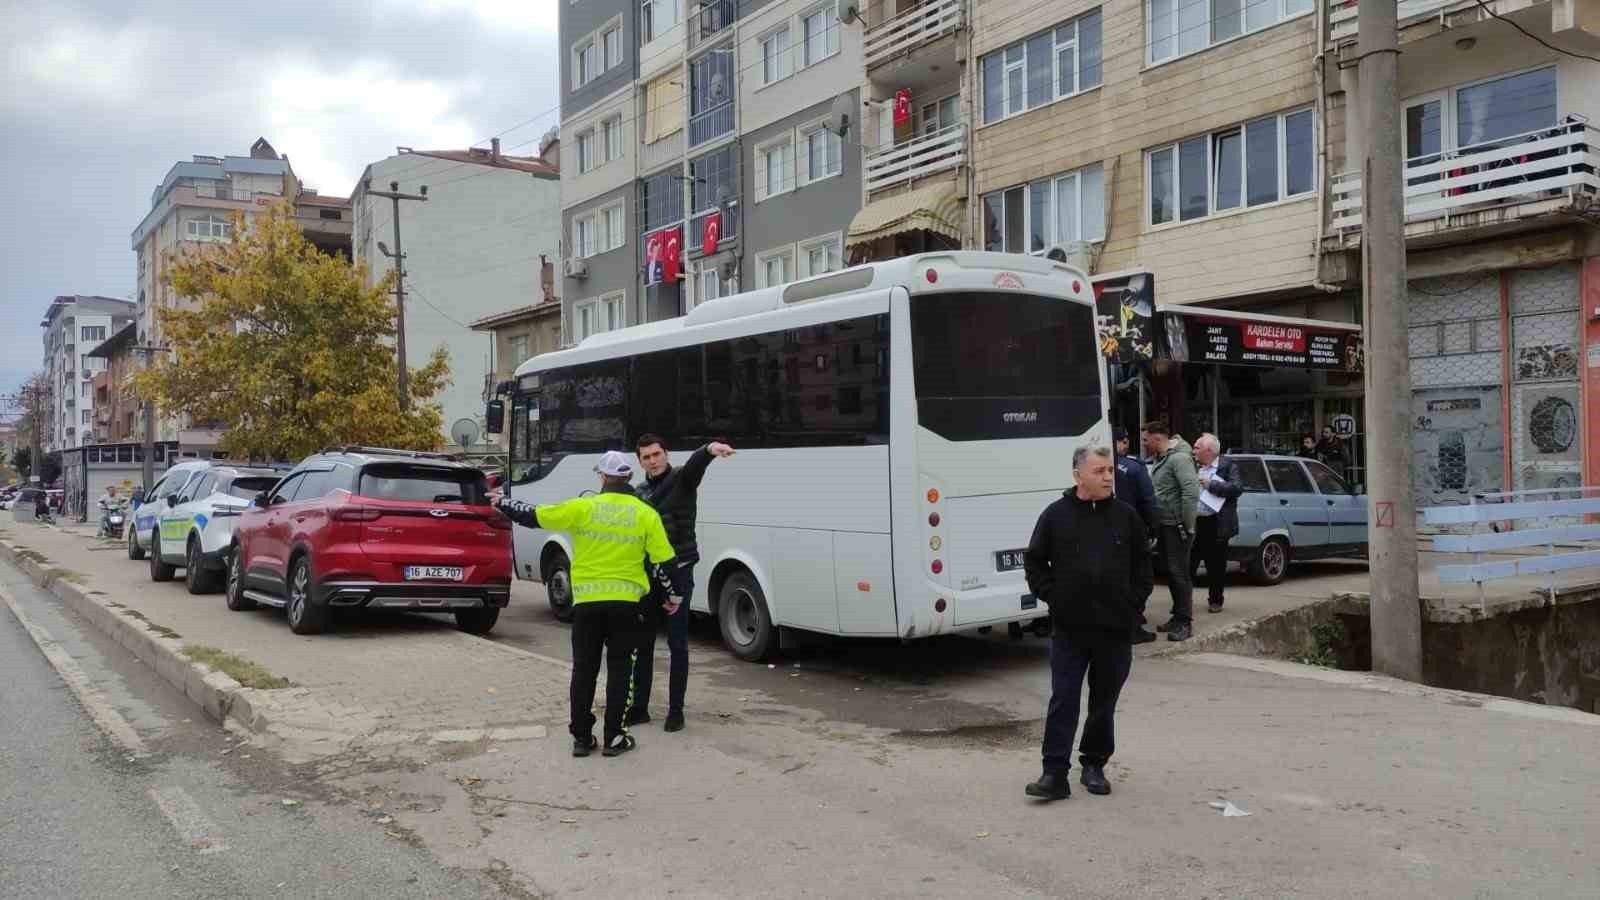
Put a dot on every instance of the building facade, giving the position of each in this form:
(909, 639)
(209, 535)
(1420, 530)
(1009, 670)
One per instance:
(73, 327)
(116, 407)
(473, 248)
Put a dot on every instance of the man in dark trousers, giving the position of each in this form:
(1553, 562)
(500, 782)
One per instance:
(673, 493)
(1134, 489)
(1177, 497)
(614, 534)
(1088, 561)
(1217, 516)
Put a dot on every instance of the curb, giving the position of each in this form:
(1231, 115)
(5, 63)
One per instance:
(218, 695)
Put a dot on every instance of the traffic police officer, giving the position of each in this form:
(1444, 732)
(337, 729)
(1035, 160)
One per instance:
(613, 533)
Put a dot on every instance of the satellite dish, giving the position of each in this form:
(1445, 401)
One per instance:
(839, 115)
(850, 11)
(464, 432)
(719, 86)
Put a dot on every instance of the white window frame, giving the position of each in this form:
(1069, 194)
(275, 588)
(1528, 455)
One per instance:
(615, 235)
(707, 284)
(1057, 47)
(938, 117)
(787, 182)
(610, 39)
(784, 254)
(1284, 11)
(830, 35)
(1212, 212)
(1052, 236)
(582, 73)
(830, 244)
(585, 150)
(517, 344)
(777, 54)
(584, 248)
(606, 312)
(658, 28)
(208, 228)
(611, 132)
(802, 169)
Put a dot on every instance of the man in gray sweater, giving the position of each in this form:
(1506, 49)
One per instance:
(1177, 490)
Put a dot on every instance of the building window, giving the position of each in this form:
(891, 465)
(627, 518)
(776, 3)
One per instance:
(1262, 161)
(775, 164)
(611, 45)
(775, 57)
(611, 129)
(824, 153)
(598, 231)
(610, 233)
(583, 236)
(94, 333)
(708, 285)
(711, 83)
(775, 267)
(584, 67)
(657, 18)
(1481, 113)
(586, 160)
(519, 348)
(1035, 217)
(938, 116)
(591, 317)
(208, 228)
(820, 255)
(661, 197)
(86, 415)
(819, 30)
(1041, 69)
(1175, 28)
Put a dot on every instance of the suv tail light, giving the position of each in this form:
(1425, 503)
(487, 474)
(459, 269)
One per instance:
(357, 514)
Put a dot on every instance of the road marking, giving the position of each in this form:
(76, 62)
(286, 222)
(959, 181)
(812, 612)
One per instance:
(191, 824)
(94, 702)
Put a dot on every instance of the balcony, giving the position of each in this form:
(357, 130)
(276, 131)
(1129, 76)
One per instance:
(1496, 183)
(1343, 17)
(712, 123)
(919, 157)
(922, 24)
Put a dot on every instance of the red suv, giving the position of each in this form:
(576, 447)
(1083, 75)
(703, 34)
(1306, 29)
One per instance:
(374, 528)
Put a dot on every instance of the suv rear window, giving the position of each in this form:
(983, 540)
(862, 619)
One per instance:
(423, 484)
(248, 488)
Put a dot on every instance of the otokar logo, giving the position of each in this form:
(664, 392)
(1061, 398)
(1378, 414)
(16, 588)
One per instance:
(1020, 418)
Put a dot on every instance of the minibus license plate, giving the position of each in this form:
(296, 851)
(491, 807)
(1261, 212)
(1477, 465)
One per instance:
(1007, 560)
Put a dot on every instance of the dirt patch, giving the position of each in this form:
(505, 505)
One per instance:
(1008, 734)
(247, 673)
(162, 630)
(60, 574)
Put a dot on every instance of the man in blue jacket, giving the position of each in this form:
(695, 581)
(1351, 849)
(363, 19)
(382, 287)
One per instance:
(1134, 488)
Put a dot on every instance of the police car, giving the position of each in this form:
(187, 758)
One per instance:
(187, 519)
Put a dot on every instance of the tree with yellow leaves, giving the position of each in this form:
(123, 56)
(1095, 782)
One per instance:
(287, 349)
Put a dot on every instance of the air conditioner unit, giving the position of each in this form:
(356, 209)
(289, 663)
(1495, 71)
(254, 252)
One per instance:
(576, 268)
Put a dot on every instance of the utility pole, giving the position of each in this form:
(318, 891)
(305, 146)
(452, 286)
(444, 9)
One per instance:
(150, 423)
(1391, 503)
(399, 257)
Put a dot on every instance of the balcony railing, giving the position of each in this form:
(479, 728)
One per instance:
(1343, 17)
(713, 123)
(917, 158)
(1548, 164)
(911, 29)
(729, 225)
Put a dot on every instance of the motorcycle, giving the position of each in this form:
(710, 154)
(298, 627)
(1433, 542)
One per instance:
(112, 521)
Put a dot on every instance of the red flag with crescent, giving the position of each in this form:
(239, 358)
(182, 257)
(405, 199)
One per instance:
(713, 233)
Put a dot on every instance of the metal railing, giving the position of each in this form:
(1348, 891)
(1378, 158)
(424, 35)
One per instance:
(917, 158)
(729, 225)
(1573, 505)
(911, 29)
(713, 123)
(1549, 163)
(1344, 17)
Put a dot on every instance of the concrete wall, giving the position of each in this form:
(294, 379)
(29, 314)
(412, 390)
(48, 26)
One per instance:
(1140, 107)
(578, 21)
(580, 187)
(471, 250)
(1549, 655)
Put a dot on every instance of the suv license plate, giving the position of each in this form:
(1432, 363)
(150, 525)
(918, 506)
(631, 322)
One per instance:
(1008, 560)
(434, 573)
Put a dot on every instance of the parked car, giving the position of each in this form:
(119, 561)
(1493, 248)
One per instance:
(191, 526)
(1294, 509)
(374, 528)
(146, 513)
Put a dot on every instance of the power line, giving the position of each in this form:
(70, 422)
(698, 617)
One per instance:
(1534, 37)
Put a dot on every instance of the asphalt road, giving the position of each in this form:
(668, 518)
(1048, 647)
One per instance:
(83, 815)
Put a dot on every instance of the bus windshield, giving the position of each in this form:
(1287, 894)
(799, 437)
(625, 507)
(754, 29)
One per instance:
(992, 365)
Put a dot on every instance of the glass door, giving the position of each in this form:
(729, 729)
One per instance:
(1425, 130)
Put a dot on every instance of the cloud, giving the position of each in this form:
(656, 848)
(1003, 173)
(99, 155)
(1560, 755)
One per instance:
(101, 97)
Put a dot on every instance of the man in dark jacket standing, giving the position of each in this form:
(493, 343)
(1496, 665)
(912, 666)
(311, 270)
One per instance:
(1088, 561)
(1217, 516)
(1134, 488)
(673, 493)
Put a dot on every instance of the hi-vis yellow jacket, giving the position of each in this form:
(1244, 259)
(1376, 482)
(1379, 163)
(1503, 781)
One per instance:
(613, 533)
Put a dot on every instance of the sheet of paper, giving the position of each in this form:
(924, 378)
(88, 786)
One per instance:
(1211, 501)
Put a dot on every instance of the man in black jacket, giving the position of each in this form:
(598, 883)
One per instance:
(1135, 489)
(1088, 561)
(1216, 523)
(673, 493)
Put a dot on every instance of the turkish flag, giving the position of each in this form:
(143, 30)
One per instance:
(713, 233)
(902, 106)
(671, 249)
(652, 258)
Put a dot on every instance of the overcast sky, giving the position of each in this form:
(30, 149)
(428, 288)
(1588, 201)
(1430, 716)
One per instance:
(98, 98)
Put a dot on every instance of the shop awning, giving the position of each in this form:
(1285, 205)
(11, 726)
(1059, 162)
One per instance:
(1235, 338)
(936, 208)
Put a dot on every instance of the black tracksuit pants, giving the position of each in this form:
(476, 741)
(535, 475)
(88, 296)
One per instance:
(611, 627)
(1102, 659)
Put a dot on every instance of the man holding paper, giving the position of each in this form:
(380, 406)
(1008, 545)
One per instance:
(1217, 519)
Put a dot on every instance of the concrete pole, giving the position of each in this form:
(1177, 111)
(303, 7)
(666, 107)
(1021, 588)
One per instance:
(1391, 500)
(400, 310)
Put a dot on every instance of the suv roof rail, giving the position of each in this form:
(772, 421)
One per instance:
(389, 451)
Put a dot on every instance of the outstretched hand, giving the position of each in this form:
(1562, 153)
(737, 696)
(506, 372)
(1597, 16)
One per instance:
(719, 449)
(670, 607)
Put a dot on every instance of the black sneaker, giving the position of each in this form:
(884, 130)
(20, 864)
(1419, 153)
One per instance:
(1167, 625)
(1050, 786)
(619, 745)
(1140, 636)
(1180, 632)
(1214, 606)
(1094, 780)
(584, 746)
(674, 722)
(637, 717)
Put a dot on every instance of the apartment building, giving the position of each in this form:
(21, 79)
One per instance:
(116, 407)
(710, 148)
(74, 326)
(477, 246)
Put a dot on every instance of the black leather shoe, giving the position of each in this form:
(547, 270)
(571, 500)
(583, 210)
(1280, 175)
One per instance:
(1180, 632)
(1165, 626)
(1094, 780)
(637, 717)
(584, 746)
(1214, 606)
(1140, 636)
(674, 722)
(1050, 786)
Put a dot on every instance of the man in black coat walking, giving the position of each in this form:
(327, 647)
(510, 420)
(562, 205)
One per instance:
(673, 493)
(1089, 562)
(1135, 489)
(1215, 524)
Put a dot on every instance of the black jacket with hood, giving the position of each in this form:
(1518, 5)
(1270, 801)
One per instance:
(1088, 561)
(675, 495)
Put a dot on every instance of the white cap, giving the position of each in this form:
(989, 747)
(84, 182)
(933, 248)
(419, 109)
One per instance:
(615, 463)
